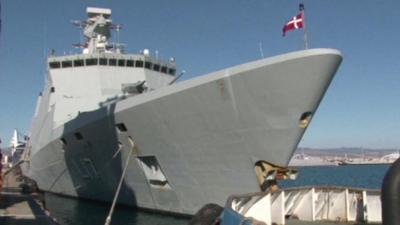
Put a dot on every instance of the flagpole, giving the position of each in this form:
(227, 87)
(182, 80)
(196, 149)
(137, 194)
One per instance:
(301, 8)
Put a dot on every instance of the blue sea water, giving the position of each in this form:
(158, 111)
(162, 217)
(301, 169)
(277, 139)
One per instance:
(361, 176)
(70, 211)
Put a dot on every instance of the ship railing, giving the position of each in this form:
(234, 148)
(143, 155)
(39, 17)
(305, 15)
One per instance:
(321, 203)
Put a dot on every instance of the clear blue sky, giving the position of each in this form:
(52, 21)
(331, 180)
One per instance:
(360, 109)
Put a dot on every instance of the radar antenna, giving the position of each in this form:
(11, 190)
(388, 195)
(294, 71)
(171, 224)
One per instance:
(97, 30)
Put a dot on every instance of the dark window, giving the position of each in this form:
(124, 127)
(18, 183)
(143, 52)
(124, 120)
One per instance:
(121, 127)
(121, 62)
(63, 141)
(78, 135)
(78, 62)
(164, 69)
(147, 65)
(52, 89)
(112, 62)
(139, 63)
(91, 62)
(171, 71)
(54, 65)
(129, 63)
(103, 61)
(156, 67)
(66, 64)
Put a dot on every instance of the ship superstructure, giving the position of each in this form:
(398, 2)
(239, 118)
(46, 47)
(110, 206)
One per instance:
(191, 142)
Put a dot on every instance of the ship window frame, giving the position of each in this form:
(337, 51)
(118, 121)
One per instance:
(147, 65)
(55, 65)
(78, 136)
(139, 63)
(103, 61)
(171, 71)
(164, 69)
(130, 63)
(121, 62)
(112, 62)
(92, 62)
(66, 63)
(79, 63)
(156, 67)
(52, 89)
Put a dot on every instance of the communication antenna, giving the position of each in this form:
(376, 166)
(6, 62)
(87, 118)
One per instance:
(261, 49)
(117, 28)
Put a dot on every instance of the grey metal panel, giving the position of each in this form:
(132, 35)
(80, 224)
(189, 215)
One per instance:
(206, 134)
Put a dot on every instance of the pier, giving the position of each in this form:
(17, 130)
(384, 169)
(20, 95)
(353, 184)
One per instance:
(20, 207)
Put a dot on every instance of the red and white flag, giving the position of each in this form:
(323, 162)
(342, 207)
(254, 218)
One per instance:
(293, 24)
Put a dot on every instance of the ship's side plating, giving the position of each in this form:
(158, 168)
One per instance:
(194, 142)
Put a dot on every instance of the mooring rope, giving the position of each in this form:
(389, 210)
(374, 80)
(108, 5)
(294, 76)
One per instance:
(108, 220)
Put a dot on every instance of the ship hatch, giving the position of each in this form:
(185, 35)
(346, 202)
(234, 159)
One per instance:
(153, 172)
(305, 119)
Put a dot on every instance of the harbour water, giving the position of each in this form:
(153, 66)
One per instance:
(70, 211)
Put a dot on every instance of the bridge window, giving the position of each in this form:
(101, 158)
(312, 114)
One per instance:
(147, 65)
(66, 64)
(54, 65)
(164, 69)
(171, 71)
(78, 62)
(91, 62)
(139, 63)
(156, 67)
(103, 61)
(121, 62)
(112, 62)
(129, 63)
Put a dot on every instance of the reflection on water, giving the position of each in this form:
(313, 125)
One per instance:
(69, 211)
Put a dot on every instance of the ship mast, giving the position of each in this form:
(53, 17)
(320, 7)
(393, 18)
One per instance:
(97, 30)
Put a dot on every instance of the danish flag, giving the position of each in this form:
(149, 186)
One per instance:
(295, 23)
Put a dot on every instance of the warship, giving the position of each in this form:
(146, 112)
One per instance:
(183, 144)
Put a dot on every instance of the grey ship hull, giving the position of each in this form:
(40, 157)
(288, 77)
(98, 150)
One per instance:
(205, 134)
